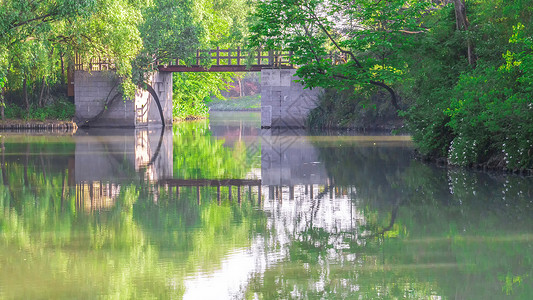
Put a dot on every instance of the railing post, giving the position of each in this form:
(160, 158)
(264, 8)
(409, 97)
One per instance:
(238, 56)
(218, 56)
(259, 57)
(271, 58)
(290, 59)
(197, 57)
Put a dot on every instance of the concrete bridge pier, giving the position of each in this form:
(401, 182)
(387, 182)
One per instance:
(99, 102)
(284, 101)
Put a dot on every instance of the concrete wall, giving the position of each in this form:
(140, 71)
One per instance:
(284, 102)
(162, 84)
(146, 109)
(92, 90)
(91, 93)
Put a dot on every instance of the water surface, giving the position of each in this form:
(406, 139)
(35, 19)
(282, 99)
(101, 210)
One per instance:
(221, 209)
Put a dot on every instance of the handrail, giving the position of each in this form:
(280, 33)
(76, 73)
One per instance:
(215, 60)
(232, 57)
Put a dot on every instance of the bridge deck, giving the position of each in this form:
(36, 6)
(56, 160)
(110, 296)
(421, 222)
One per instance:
(229, 60)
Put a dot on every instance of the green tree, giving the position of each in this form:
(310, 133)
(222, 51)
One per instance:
(29, 38)
(341, 44)
(474, 115)
(41, 37)
(192, 91)
(223, 23)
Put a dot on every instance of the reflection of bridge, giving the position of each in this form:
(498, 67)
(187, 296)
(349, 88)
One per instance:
(218, 183)
(211, 182)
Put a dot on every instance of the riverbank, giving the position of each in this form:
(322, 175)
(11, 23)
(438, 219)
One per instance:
(190, 118)
(55, 125)
(496, 166)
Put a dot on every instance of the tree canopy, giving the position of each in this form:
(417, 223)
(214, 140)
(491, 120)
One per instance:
(459, 72)
(341, 44)
(39, 39)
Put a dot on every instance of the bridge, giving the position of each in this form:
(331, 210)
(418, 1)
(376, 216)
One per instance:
(229, 60)
(95, 87)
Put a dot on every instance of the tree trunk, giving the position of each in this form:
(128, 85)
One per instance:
(43, 85)
(62, 68)
(26, 99)
(462, 24)
(239, 80)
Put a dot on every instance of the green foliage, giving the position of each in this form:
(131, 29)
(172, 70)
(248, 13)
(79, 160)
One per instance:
(61, 109)
(236, 104)
(38, 40)
(169, 29)
(474, 115)
(477, 113)
(339, 44)
(191, 92)
(222, 23)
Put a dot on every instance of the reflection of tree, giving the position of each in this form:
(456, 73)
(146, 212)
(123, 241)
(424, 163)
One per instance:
(426, 231)
(202, 234)
(134, 247)
(197, 154)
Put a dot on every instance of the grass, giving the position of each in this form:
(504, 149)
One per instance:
(246, 103)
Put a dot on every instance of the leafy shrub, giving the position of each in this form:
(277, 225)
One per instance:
(60, 109)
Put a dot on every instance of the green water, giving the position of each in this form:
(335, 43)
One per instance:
(99, 214)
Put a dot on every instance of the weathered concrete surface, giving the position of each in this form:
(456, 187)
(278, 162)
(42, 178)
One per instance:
(288, 159)
(146, 109)
(285, 102)
(122, 155)
(93, 91)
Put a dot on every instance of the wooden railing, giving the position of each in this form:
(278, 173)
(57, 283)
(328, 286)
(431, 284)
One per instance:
(229, 60)
(216, 60)
(93, 64)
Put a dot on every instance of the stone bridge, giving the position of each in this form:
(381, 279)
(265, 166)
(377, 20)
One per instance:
(99, 103)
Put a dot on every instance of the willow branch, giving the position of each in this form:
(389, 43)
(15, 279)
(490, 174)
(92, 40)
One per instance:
(31, 20)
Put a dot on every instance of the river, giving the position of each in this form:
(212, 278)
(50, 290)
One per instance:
(222, 209)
